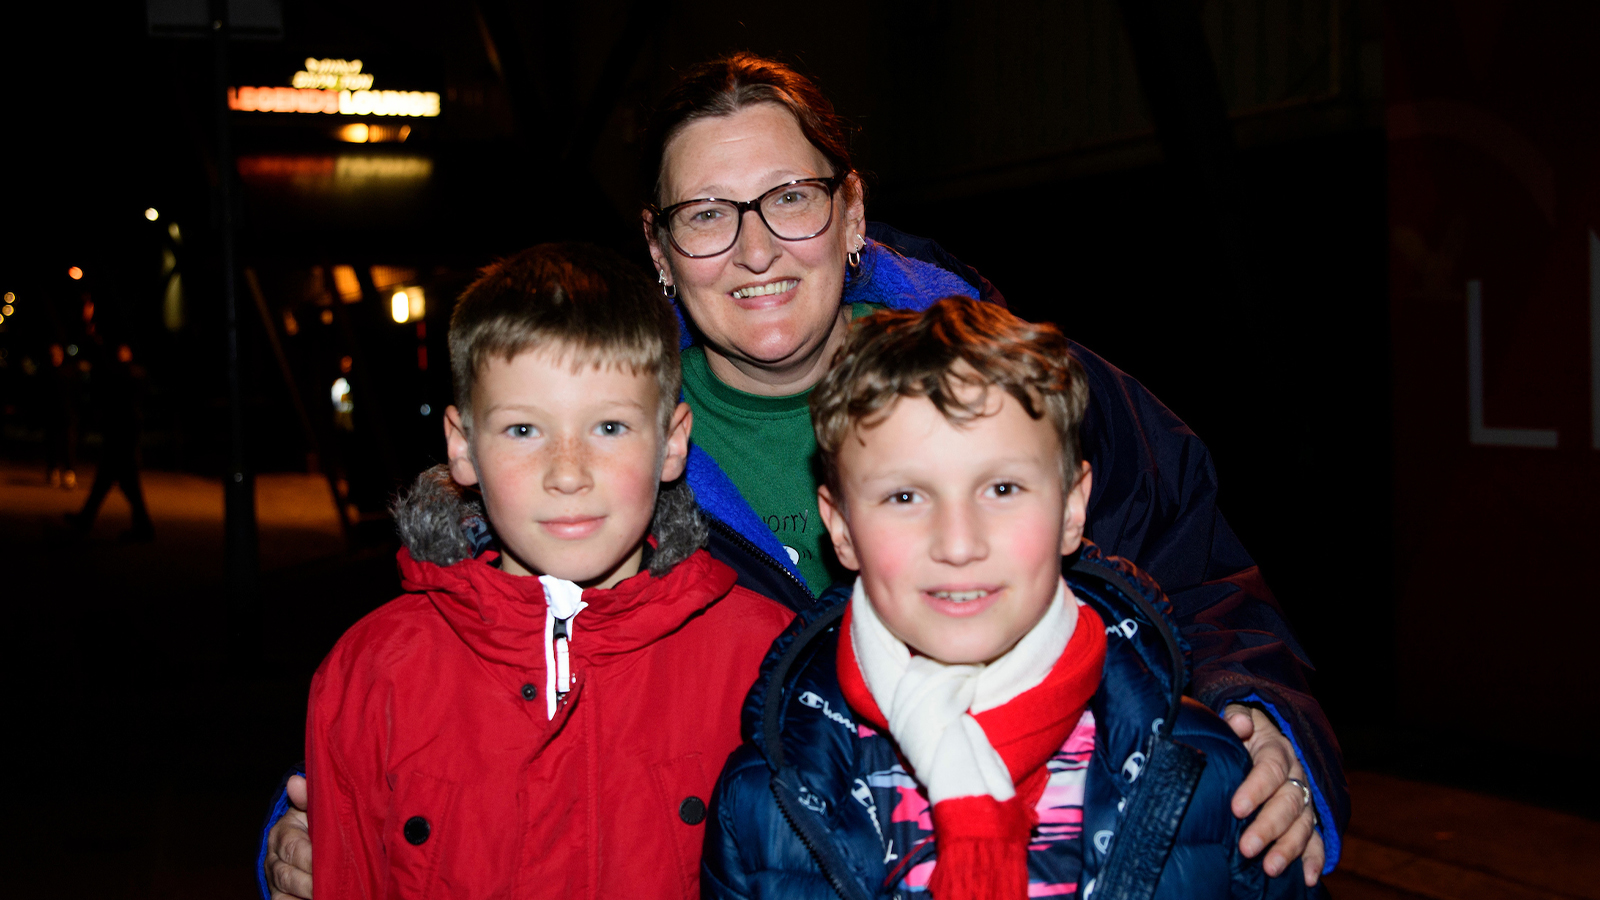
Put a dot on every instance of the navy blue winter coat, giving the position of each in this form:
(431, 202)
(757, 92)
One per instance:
(801, 811)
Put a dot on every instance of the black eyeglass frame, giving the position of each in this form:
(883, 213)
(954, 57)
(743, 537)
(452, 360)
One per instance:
(662, 216)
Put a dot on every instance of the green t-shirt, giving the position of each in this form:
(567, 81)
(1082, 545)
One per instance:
(767, 448)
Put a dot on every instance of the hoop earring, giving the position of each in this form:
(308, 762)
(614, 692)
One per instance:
(668, 289)
(853, 258)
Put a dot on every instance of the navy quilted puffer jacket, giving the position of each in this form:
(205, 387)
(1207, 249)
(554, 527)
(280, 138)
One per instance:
(803, 809)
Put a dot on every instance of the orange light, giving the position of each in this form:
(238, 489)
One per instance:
(75, 273)
(356, 133)
(346, 283)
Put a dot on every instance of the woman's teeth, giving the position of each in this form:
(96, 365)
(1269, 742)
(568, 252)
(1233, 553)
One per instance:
(763, 290)
(960, 596)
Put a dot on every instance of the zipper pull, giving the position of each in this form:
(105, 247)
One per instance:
(563, 660)
(563, 602)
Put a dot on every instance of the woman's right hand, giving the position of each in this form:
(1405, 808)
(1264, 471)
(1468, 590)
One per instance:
(288, 863)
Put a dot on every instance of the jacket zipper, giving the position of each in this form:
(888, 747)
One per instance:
(834, 880)
(728, 531)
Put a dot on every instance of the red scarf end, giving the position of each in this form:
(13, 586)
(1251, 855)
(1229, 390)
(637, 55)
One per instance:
(983, 849)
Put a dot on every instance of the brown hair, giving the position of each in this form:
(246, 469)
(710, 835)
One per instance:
(589, 304)
(940, 354)
(722, 87)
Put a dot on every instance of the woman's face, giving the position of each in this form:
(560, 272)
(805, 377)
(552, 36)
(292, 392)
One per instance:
(768, 308)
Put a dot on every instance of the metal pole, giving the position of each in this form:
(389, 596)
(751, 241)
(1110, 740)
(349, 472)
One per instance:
(238, 485)
(315, 459)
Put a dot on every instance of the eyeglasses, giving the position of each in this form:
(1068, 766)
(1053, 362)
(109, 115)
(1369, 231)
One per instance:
(794, 211)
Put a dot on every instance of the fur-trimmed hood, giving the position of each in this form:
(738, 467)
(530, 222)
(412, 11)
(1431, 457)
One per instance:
(443, 523)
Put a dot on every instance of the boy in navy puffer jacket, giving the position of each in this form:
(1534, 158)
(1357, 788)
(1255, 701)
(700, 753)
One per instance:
(967, 722)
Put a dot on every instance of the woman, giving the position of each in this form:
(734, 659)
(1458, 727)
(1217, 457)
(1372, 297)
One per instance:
(757, 227)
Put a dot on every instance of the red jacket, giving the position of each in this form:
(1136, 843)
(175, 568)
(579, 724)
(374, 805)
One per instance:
(433, 771)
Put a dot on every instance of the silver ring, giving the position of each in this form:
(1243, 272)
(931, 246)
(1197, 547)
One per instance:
(1305, 793)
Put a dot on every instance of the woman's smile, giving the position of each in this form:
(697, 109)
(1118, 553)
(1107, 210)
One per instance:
(758, 293)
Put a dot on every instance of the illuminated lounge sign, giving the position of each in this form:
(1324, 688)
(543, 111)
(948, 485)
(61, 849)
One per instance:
(334, 87)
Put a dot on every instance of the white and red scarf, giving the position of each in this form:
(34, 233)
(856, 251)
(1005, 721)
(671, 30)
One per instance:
(977, 737)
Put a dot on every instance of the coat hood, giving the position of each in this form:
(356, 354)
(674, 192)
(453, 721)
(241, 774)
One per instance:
(442, 522)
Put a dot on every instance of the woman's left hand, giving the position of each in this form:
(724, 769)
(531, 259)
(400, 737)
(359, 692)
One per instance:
(1286, 823)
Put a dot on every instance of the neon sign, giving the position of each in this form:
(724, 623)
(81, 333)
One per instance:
(334, 87)
(333, 75)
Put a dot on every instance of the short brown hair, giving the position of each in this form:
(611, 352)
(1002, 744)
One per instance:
(724, 86)
(589, 304)
(957, 343)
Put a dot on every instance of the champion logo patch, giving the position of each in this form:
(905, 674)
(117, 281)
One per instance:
(811, 700)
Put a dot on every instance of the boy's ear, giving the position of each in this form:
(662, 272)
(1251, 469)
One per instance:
(1076, 512)
(457, 448)
(838, 529)
(677, 449)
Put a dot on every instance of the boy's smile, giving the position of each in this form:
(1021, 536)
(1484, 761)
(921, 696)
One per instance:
(957, 529)
(569, 461)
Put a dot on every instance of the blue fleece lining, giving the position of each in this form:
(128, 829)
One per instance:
(1330, 837)
(889, 279)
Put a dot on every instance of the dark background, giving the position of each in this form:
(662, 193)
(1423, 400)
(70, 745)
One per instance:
(1198, 191)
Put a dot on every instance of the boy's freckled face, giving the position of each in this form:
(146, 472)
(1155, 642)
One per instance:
(569, 462)
(957, 529)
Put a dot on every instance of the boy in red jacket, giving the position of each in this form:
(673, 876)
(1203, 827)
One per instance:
(547, 718)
